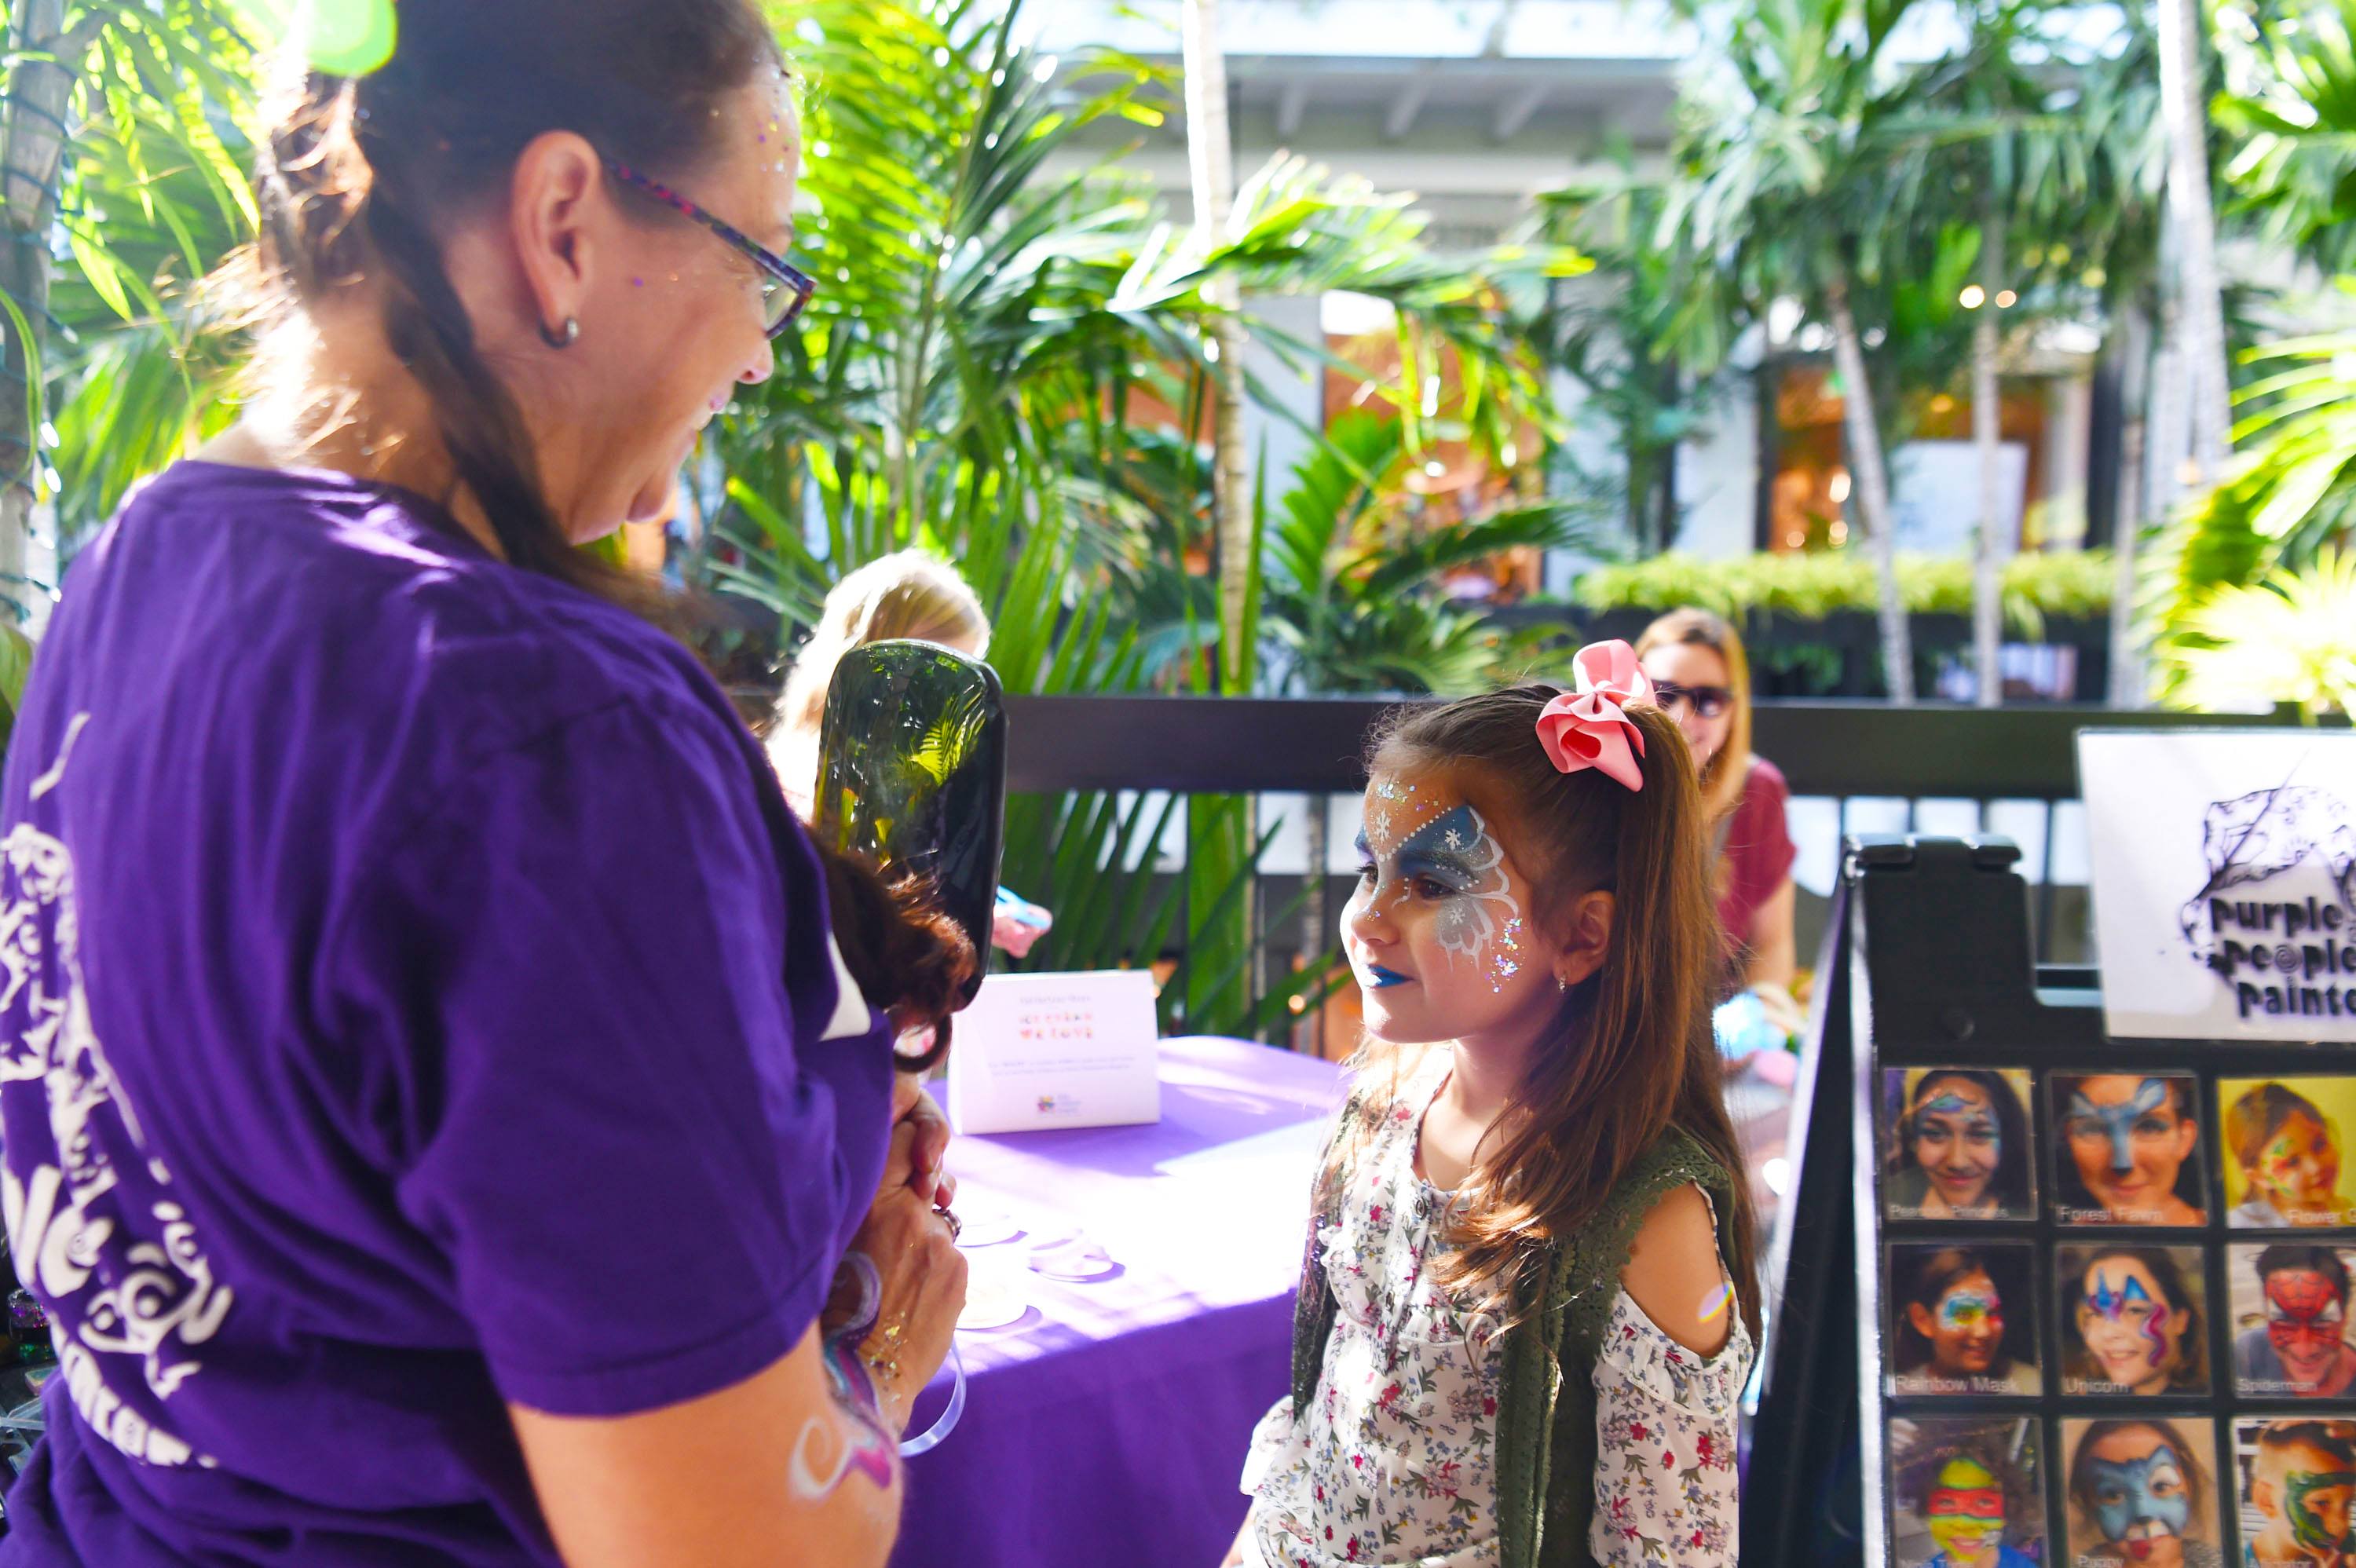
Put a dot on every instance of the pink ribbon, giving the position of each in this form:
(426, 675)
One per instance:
(1590, 728)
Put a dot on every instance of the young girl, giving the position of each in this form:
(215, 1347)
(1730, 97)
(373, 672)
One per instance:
(2132, 1324)
(1535, 1174)
(1961, 1150)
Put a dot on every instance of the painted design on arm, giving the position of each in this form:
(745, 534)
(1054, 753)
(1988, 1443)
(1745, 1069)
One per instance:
(854, 1439)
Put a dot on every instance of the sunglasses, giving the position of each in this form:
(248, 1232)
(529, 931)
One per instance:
(786, 289)
(1708, 701)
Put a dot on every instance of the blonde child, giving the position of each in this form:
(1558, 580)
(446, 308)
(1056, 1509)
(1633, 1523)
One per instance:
(1535, 1174)
(906, 595)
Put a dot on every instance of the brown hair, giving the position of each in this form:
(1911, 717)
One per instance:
(1722, 780)
(1633, 1055)
(360, 178)
(2257, 1115)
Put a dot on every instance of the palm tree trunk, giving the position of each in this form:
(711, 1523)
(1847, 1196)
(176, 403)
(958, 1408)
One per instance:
(2199, 283)
(1988, 430)
(1873, 493)
(2127, 682)
(40, 91)
(1210, 156)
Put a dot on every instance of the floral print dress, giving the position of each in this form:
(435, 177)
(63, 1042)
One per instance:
(1396, 1462)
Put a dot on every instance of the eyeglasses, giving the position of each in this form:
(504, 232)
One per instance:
(1708, 701)
(786, 289)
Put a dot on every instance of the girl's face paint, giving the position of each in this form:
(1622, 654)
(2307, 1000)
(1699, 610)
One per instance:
(1956, 1141)
(1436, 931)
(2139, 1494)
(2128, 1139)
(1966, 1331)
(2126, 1325)
(2299, 1172)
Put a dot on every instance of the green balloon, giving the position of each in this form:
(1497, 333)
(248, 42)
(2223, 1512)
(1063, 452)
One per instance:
(341, 38)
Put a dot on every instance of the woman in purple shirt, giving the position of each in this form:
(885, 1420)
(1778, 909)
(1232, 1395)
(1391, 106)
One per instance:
(437, 1107)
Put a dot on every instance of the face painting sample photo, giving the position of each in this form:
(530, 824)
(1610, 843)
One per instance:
(2141, 1492)
(2280, 1149)
(2290, 1319)
(1957, 1144)
(2133, 1320)
(2129, 1149)
(2297, 1492)
(1961, 1319)
(1966, 1493)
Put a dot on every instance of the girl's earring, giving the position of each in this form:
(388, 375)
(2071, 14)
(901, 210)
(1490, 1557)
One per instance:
(1561, 984)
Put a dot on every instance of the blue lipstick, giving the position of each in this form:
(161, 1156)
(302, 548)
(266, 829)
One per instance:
(1384, 979)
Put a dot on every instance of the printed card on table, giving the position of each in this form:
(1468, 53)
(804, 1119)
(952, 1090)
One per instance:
(2224, 868)
(1037, 1052)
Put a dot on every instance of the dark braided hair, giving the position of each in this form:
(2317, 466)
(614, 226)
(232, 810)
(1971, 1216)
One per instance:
(360, 177)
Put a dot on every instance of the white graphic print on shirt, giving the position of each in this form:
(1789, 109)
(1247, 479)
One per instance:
(115, 1285)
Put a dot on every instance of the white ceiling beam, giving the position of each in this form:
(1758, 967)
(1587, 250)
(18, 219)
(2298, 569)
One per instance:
(1515, 111)
(1291, 107)
(1399, 119)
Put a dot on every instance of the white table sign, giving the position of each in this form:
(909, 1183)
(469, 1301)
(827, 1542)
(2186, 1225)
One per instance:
(2224, 881)
(1056, 1050)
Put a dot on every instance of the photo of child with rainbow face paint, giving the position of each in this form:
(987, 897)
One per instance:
(1961, 1319)
(2290, 1311)
(2282, 1146)
(1956, 1144)
(2132, 1321)
(1966, 1493)
(2129, 1150)
(2298, 1492)
(2140, 1494)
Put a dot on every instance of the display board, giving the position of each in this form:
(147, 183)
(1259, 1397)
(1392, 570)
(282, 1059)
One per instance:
(2103, 1305)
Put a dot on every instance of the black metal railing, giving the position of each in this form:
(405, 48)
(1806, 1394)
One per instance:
(1866, 758)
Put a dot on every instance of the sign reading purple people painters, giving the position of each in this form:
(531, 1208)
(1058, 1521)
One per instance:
(2224, 868)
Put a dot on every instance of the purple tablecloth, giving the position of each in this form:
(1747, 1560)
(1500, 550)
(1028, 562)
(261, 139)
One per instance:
(1105, 1426)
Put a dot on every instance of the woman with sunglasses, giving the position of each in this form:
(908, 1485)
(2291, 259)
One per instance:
(445, 1118)
(1702, 680)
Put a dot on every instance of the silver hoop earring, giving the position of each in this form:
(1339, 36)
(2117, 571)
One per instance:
(564, 336)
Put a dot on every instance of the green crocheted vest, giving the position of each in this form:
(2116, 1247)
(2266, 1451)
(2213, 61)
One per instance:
(1546, 1398)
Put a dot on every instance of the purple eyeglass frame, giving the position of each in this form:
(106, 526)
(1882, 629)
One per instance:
(795, 284)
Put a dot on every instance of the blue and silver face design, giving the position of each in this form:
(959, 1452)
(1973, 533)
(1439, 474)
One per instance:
(1454, 863)
(2118, 1122)
(2140, 1498)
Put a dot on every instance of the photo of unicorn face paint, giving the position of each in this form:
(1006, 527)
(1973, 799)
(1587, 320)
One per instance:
(1437, 931)
(2131, 1320)
(2128, 1144)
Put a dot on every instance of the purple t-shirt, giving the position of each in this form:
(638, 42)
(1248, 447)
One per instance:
(417, 997)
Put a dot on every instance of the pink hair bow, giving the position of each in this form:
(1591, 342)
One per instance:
(1590, 728)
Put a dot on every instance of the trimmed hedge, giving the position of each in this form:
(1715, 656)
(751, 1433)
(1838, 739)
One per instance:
(1818, 584)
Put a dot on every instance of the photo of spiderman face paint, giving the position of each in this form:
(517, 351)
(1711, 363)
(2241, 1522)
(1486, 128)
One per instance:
(2140, 1493)
(2291, 1302)
(1439, 931)
(2298, 1492)
(2132, 1321)
(2129, 1151)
